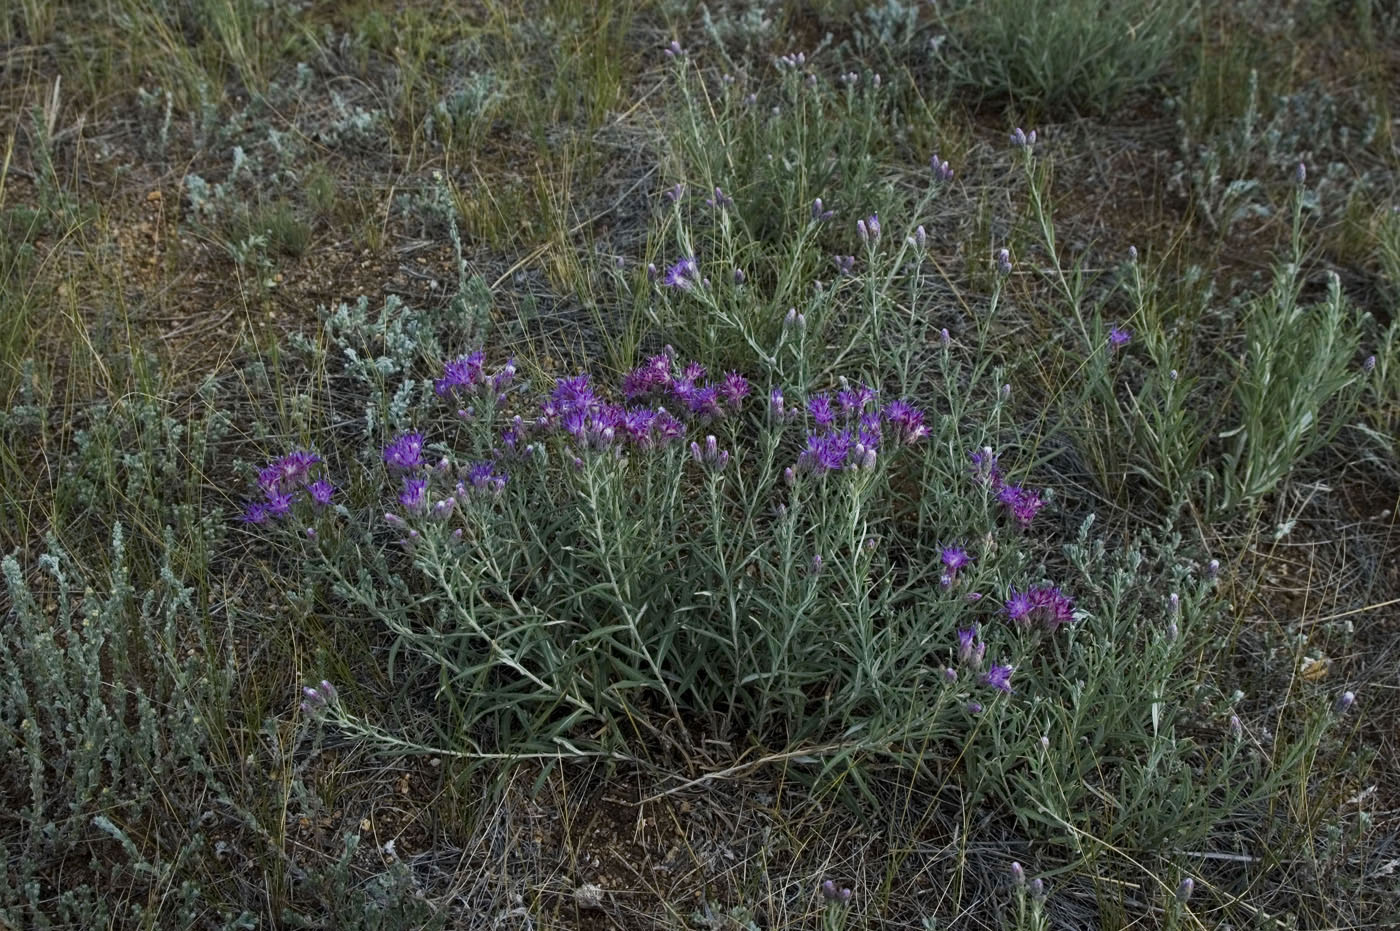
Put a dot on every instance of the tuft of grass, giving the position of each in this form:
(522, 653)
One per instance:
(1081, 55)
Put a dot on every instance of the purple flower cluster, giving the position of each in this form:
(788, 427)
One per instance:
(405, 452)
(970, 649)
(317, 700)
(848, 433)
(1040, 604)
(971, 653)
(284, 480)
(1021, 503)
(687, 386)
(575, 409)
(710, 455)
(466, 375)
(405, 455)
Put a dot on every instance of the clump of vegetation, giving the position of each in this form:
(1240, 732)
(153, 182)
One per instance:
(407, 538)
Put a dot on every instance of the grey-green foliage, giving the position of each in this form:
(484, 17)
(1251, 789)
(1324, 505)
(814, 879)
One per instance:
(1082, 54)
(467, 108)
(821, 140)
(372, 348)
(103, 711)
(1227, 168)
(1294, 386)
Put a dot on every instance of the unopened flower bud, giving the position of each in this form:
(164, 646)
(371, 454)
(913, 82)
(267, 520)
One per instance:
(1344, 702)
(1018, 875)
(1184, 890)
(1003, 262)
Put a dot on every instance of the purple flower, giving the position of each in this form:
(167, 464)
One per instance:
(868, 429)
(845, 264)
(279, 504)
(683, 275)
(941, 171)
(321, 492)
(415, 494)
(999, 677)
(463, 373)
(776, 410)
(985, 469)
(720, 200)
(666, 427)
(1119, 336)
(907, 420)
(1042, 604)
(1019, 607)
(1003, 262)
(653, 374)
(288, 472)
(974, 707)
(482, 476)
(1054, 606)
(854, 400)
(825, 452)
(711, 456)
(955, 558)
(405, 452)
(1023, 503)
(255, 514)
(316, 700)
(820, 409)
(967, 644)
(734, 389)
(502, 379)
(819, 212)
